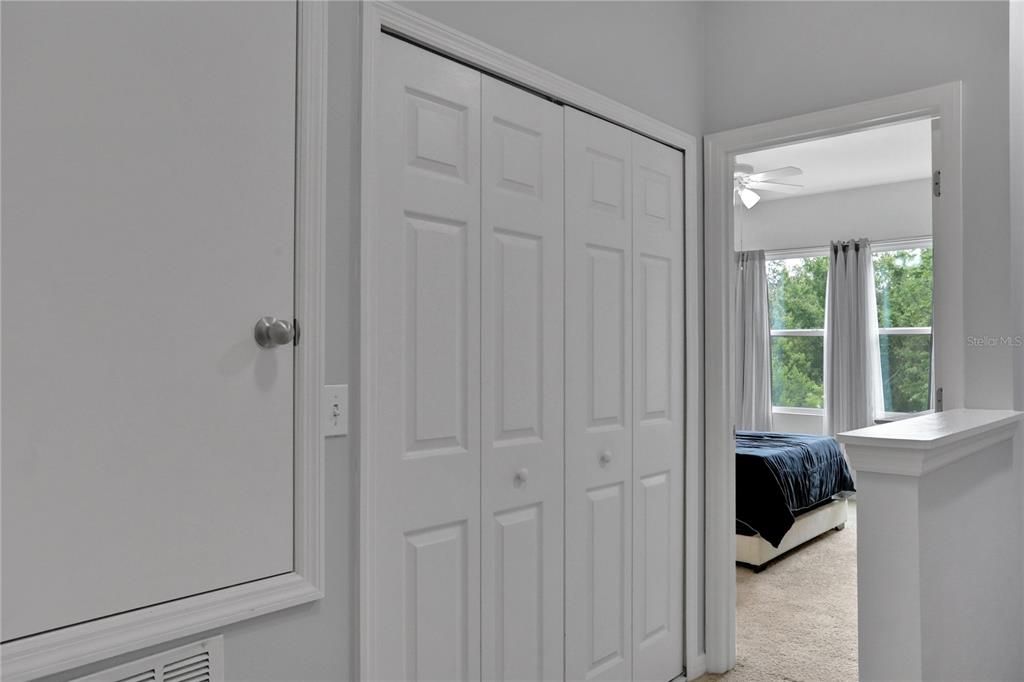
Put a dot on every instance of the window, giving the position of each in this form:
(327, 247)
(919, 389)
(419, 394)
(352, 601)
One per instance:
(903, 283)
(796, 302)
(796, 305)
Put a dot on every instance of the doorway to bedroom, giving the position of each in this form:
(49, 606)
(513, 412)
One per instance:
(834, 297)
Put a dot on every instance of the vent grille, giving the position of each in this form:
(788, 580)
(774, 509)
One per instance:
(198, 662)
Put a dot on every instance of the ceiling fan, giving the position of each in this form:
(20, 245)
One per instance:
(745, 181)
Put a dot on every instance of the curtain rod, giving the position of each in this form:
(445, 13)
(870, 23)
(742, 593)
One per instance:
(922, 242)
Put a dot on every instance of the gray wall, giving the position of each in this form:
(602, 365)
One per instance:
(769, 60)
(647, 55)
(893, 211)
(763, 61)
(1016, 182)
(603, 47)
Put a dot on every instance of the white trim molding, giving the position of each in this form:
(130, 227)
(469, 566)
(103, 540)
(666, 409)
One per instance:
(942, 105)
(59, 650)
(922, 444)
(803, 411)
(416, 28)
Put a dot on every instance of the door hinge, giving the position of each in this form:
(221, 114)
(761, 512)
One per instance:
(938, 399)
(937, 183)
(295, 337)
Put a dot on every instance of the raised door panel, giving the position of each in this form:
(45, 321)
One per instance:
(437, 604)
(657, 410)
(599, 398)
(425, 587)
(436, 353)
(607, 618)
(148, 223)
(521, 395)
(654, 556)
(606, 293)
(518, 649)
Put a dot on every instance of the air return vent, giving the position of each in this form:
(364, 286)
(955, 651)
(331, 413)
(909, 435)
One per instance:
(199, 662)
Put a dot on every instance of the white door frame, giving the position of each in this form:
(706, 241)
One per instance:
(398, 20)
(942, 102)
(77, 645)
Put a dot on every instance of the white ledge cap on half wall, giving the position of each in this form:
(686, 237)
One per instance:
(916, 446)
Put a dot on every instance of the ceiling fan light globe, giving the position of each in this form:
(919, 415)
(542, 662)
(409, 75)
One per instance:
(749, 197)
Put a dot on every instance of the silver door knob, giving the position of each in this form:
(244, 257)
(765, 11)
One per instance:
(520, 477)
(605, 458)
(271, 332)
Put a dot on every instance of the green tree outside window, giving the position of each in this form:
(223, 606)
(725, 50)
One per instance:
(796, 298)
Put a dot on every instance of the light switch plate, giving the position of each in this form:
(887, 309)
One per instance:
(335, 406)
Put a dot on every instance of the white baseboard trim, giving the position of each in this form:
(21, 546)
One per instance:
(696, 666)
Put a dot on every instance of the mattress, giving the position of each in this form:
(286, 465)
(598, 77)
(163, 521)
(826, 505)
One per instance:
(782, 475)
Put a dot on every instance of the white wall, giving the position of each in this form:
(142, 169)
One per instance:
(1017, 181)
(648, 55)
(1016, 31)
(770, 60)
(971, 569)
(939, 569)
(897, 210)
(600, 45)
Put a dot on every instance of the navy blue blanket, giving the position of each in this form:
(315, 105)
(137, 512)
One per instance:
(781, 475)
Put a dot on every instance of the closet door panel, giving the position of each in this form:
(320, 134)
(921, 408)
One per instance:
(521, 400)
(599, 376)
(657, 410)
(426, 583)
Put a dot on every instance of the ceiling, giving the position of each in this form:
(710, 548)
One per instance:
(876, 156)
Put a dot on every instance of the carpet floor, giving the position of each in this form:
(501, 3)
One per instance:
(796, 621)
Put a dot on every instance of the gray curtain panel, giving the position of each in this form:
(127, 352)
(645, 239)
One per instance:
(853, 373)
(753, 352)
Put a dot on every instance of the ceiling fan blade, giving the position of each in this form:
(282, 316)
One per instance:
(781, 187)
(784, 172)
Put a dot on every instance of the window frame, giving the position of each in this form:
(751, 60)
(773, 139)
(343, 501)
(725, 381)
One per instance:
(882, 246)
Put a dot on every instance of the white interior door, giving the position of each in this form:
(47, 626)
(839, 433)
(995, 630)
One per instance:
(657, 410)
(599, 397)
(426, 500)
(148, 223)
(521, 371)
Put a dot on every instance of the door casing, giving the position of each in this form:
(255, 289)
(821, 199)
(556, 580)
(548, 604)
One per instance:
(941, 104)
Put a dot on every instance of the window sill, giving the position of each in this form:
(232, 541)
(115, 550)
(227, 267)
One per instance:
(888, 417)
(802, 411)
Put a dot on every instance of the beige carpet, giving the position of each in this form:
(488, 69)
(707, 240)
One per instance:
(797, 620)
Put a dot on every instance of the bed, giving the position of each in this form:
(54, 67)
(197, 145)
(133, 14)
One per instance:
(790, 488)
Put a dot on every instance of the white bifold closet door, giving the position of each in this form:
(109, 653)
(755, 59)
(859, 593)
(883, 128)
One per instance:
(657, 410)
(425, 595)
(521, 401)
(598, 395)
(624, 373)
(466, 574)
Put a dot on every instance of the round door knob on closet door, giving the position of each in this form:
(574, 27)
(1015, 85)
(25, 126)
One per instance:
(605, 458)
(271, 332)
(520, 477)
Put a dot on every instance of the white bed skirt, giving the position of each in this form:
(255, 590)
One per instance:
(755, 551)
